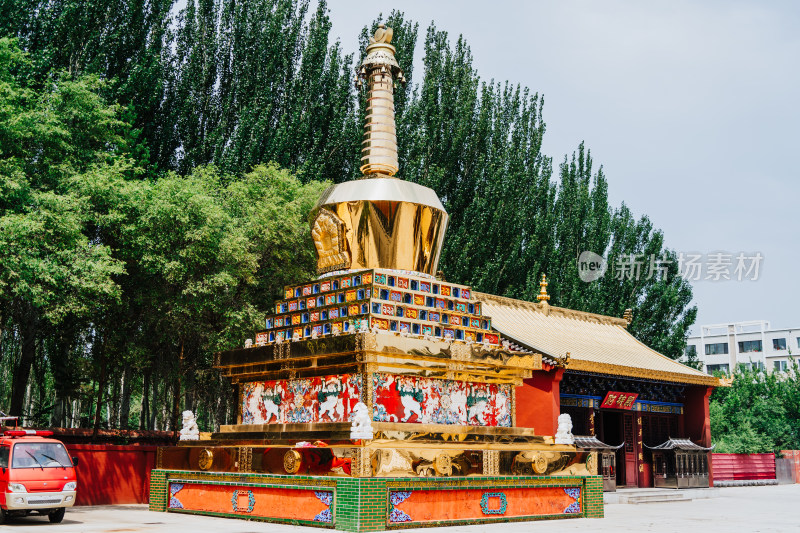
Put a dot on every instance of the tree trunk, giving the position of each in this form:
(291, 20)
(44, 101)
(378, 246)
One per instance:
(176, 398)
(57, 417)
(125, 408)
(222, 402)
(19, 385)
(113, 406)
(100, 386)
(144, 417)
(154, 410)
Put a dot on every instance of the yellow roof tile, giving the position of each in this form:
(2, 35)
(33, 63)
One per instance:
(596, 343)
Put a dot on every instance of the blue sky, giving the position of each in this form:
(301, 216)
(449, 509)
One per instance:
(691, 108)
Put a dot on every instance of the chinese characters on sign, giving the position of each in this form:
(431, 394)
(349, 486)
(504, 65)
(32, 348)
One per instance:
(619, 400)
(716, 266)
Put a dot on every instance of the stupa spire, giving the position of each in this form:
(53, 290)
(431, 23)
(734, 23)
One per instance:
(380, 70)
(377, 222)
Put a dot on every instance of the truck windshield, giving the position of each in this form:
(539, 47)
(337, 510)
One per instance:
(39, 455)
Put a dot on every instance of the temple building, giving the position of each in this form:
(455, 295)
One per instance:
(380, 396)
(614, 387)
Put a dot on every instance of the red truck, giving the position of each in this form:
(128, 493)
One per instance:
(36, 474)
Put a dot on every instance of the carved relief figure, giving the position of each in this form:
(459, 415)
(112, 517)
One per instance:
(330, 403)
(270, 405)
(458, 403)
(329, 240)
(476, 410)
(440, 401)
(410, 399)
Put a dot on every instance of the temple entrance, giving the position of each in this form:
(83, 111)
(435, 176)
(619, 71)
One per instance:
(612, 431)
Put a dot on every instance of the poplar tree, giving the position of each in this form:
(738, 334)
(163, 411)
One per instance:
(132, 139)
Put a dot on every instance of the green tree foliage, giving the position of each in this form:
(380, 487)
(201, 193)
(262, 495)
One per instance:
(50, 268)
(258, 81)
(205, 255)
(124, 42)
(759, 413)
(144, 231)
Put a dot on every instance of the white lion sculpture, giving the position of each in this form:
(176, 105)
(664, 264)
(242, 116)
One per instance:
(564, 431)
(361, 427)
(190, 431)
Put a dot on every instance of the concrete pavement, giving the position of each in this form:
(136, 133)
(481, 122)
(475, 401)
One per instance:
(737, 509)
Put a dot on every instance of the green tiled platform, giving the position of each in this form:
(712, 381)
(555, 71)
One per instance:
(362, 504)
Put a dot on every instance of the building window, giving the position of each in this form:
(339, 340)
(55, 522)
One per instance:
(781, 366)
(758, 365)
(711, 369)
(778, 344)
(717, 348)
(750, 346)
(691, 350)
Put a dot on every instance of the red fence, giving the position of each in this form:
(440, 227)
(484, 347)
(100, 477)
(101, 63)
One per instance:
(742, 466)
(109, 475)
(794, 457)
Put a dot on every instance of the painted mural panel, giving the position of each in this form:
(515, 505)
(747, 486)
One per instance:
(298, 401)
(251, 501)
(448, 505)
(440, 401)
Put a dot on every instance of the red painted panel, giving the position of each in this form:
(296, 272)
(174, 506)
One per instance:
(440, 401)
(248, 500)
(539, 402)
(111, 475)
(735, 466)
(472, 504)
(306, 400)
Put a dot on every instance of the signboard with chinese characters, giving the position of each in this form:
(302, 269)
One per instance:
(619, 400)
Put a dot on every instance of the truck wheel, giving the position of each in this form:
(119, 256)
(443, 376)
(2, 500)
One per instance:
(3, 516)
(57, 515)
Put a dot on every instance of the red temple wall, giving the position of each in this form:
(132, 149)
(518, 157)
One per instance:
(538, 402)
(112, 475)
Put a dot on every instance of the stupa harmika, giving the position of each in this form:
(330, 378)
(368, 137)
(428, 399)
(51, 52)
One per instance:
(380, 396)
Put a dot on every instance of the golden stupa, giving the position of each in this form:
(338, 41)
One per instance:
(379, 396)
(379, 221)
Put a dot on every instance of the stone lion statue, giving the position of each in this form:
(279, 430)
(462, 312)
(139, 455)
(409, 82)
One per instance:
(564, 431)
(190, 431)
(361, 427)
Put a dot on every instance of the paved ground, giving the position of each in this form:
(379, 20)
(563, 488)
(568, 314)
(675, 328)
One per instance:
(738, 509)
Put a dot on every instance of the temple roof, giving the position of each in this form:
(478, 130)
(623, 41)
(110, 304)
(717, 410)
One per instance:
(595, 343)
(590, 442)
(680, 444)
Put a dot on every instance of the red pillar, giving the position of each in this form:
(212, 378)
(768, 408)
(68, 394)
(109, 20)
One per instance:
(697, 420)
(696, 417)
(539, 402)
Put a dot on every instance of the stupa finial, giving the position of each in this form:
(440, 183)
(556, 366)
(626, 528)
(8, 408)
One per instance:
(382, 35)
(543, 296)
(380, 70)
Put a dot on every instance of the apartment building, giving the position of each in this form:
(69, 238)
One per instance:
(721, 347)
